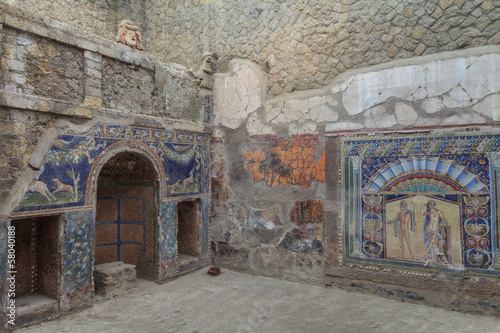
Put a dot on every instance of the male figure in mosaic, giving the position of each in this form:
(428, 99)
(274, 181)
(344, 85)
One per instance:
(433, 233)
(404, 222)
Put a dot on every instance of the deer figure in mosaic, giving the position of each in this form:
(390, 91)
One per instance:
(62, 187)
(42, 188)
(189, 180)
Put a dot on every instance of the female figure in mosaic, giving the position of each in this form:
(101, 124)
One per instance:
(433, 233)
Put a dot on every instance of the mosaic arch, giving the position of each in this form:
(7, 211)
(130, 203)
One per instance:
(425, 202)
(70, 169)
(132, 146)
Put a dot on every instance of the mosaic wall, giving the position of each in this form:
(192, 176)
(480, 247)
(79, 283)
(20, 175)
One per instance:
(78, 250)
(77, 270)
(423, 202)
(168, 237)
(70, 171)
(205, 222)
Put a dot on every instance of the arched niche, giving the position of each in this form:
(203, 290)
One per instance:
(125, 186)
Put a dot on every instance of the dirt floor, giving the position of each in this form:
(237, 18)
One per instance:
(233, 302)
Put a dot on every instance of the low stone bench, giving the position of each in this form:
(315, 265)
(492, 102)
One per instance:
(114, 278)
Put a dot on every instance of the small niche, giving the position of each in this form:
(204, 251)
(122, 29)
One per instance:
(187, 232)
(37, 245)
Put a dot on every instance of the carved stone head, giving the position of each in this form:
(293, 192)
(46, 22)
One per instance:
(207, 62)
(128, 34)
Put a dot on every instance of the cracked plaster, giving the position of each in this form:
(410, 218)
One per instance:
(238, 94)
(465, 79)
(461, 84)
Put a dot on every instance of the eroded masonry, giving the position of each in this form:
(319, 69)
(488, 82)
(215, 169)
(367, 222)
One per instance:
(347, 143)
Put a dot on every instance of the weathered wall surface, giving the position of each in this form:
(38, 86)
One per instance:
(304, 44)
(99, 17)
(67, 75)
(301, 44)
(273, 180)
(69, 101)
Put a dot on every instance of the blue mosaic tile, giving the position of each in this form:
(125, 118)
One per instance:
(77, 268)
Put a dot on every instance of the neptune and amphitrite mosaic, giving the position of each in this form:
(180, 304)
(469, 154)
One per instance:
(423, 202)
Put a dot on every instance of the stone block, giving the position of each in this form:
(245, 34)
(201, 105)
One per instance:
(114, 278)
(43, 146)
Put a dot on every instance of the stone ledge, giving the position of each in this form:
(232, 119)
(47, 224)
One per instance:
(20, 19)
(41, 104)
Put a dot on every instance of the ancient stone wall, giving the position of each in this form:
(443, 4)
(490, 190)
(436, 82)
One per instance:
(304, 44)
(100, 17)
(301, 44)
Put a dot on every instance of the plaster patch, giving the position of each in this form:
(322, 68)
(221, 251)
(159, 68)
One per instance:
(466, 118)
(420, 94)
(428, 121)
(377, 110)
(481, 78)
(237, 95)
(323, 113)
(442, 76)
(316, 101)
(432, 105)
(489, 107)
(255, 126)
(298, 129)
(342, 126)
(405, 114)
(369, 89)
(386, 121)
(295, 110)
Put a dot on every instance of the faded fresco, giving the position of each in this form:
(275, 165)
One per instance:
(306, 212)
(288, 162)
(428, 202)
(70, 170)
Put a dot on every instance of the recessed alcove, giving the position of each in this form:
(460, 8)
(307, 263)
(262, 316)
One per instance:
(188, 225)
(37, 267)
(125, 213)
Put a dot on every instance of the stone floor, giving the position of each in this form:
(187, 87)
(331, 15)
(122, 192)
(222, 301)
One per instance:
(233, 302)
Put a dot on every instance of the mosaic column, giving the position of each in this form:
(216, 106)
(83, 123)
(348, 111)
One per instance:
(494, 159)
(205, 220)
(168, 238)
(357, 203)
(78, 260)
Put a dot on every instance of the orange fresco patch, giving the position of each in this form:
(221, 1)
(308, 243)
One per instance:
(308, 211)
(287, 163)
